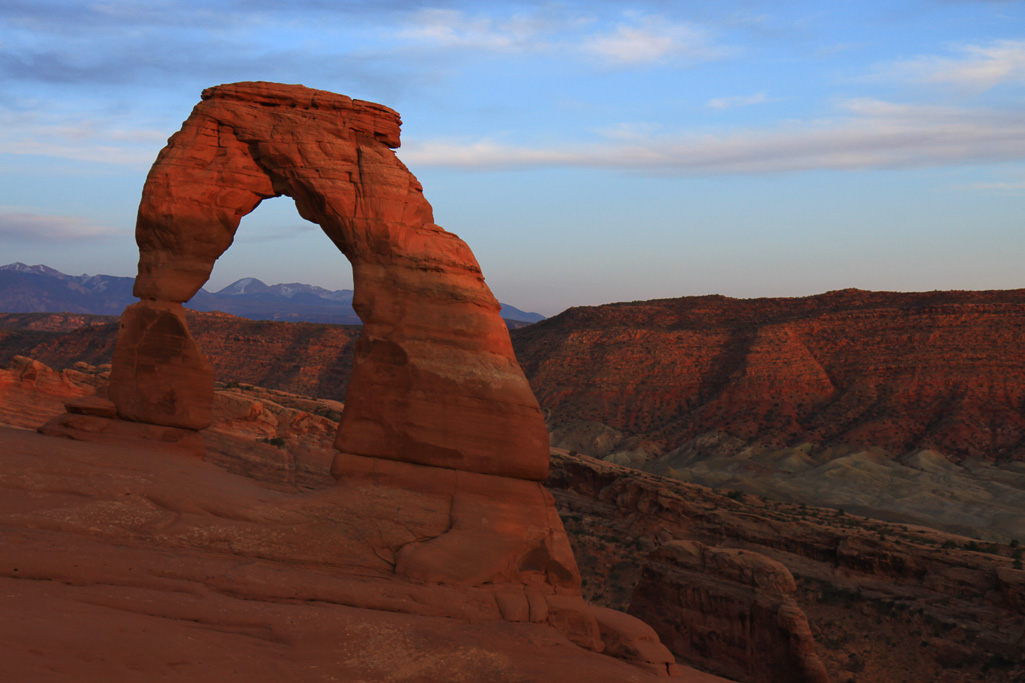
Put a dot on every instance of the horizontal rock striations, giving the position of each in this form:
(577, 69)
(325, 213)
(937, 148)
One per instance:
(438, 508)
(434, 377)
(885, 602)
(900, 371)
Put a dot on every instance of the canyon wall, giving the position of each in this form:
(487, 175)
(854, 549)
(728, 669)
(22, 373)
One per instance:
(900, 371)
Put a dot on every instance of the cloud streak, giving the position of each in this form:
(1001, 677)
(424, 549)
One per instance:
(26, 226)
(738, 101)
(975, 67)
(652, 39)
(83, 138)
(871, 134)
(634, 40)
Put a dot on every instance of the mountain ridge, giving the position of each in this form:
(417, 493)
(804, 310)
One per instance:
(42, 289)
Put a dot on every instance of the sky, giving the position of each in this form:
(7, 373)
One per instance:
(588, 152)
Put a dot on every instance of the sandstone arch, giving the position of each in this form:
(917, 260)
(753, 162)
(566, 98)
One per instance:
(434, 379)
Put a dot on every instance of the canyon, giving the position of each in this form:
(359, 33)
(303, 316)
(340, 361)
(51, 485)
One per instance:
(382, 502)
(827, 592)
(915, 415)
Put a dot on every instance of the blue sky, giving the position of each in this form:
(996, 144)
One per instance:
(588, 152)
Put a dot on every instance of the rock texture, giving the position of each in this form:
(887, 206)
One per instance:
(730, 611)
(438, 509)
(900, 371)
(888, 603)
(434, 378)
(116, 565)
(31, 392)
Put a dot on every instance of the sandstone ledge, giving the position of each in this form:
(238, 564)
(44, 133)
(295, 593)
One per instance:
(171, 567)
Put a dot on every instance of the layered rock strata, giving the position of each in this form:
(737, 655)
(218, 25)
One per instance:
(886, 602)
(730, 611)
(896, 370)
(441, 447)
(434, 377)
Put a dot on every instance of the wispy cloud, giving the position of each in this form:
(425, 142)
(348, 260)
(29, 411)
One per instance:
(26, 226)
(448, 28)
(652, 39)
(976, 67)
(866, 134)
(738, 101)
(83, 139)
(633, 39)
(1016, 187)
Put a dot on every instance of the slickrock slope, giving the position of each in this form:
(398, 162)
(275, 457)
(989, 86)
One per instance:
(885, 602)
(898, 371)
(437, 509)
(119, 566)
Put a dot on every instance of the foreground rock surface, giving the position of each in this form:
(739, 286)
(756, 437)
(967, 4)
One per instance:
(116, 565)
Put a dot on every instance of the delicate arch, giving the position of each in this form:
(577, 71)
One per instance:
(434, 377)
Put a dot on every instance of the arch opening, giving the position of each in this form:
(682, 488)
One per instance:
(434, 378)
(263, 277)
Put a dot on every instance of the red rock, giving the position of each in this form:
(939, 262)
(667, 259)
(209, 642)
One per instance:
(893, 600)
(730, 611)
(159, 375)
(148, 438)
(438, 510)
(116, 566)
(896, 370)
(31, 392)
(629, 638)
(434, 378)
(92, 405)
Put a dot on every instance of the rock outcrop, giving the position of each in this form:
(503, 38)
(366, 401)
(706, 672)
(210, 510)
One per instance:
(885, 602)
(434, 377)
(730, 611)
(32, 392)
(441, 447)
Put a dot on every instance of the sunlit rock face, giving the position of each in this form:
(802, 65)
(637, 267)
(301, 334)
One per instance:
(434, 381)
(441, 448)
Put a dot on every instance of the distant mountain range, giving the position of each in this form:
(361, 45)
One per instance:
(41, 289)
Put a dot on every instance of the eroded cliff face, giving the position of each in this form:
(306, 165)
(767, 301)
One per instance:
(736, 581)
(899, 371)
